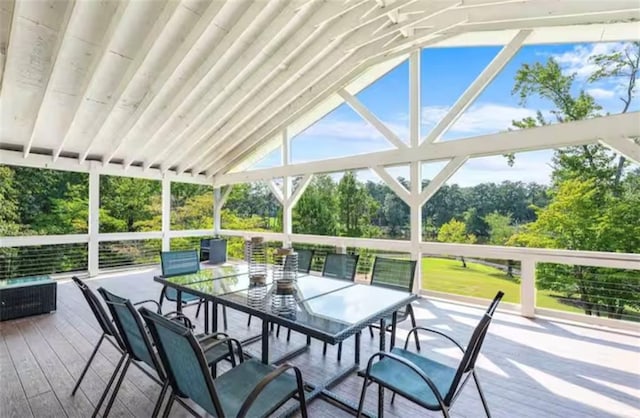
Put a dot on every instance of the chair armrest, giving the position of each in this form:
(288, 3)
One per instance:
(175, 315)
(230, 342)
(157, 305)
(265, 382)
(412, 367)
(435, 331)
(206, 337)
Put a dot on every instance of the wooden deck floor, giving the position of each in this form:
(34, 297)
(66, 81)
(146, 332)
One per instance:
(529, 368)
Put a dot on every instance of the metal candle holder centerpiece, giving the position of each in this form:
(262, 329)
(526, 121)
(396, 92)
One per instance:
(257, 258)
(285, 274)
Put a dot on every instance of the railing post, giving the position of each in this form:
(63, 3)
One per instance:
(166, 213)
(415, 219)
(93, 263)
(528, 288)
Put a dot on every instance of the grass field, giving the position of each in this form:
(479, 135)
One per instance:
(478, 280)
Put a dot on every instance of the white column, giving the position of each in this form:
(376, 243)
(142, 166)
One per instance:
(287, 207)
(166, 213)
(94, 220)
(415, 217)
(217, 209)
(528, 288)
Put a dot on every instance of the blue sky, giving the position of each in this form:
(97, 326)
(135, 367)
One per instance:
(445, 74)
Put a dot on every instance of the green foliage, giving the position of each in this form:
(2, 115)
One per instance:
(500, 228)
(317, 210)
(128, 204)
(355, 207)
(456, 232)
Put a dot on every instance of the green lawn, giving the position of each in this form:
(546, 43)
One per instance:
(477, 280)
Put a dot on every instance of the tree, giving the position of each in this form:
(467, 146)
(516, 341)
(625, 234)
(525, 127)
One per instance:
(355, 207)
(456, 232)
(500, 231)
(396, 214)
(317, 210)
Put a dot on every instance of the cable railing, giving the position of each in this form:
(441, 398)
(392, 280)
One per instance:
(34, 260)
(129, 253)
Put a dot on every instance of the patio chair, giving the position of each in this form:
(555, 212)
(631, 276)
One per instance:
(249, 389)
(343, 267)
(426, 382)
(139, 349)
(109, 333)
(397, 274)
(204, 249)
(176, 263)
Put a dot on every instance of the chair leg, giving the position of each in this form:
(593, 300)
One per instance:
(413, 325)
(249, 321)
(224, 318)
(339, 351)
(109, 383)
(167, 409)
(371, 331)
(107, 409)
(324, 349)
(288, 334)
(162, 293)
(363, 394)
(86, 367)
(163, 392)
(482, 398)
(380, 401)
(278, 331)
(198, 310)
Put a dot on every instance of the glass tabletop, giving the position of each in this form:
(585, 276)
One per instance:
(24, 281)
(209, 273)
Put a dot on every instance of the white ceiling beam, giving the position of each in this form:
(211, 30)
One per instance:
(299, 191)
(159, 26)
(66, 22)
(226, 192)
(624, 146)
(16, 158)
(393, 184)
(280, 30)
(366, 114)
(439, 179)
(90, 77)
(206, 22)
(545, 137)
(478, 86)
(198, 86)
(307, 56)
(9, 42)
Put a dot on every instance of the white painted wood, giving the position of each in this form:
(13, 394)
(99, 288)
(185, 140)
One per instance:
(478, 86)
(438, 181)
(300, 188)
(551, 136)
(71, 164)
(393, 184)
(287, 191)
(528, 288)
(588, 319)
(26, 241)
(94, 221)
(10, 42)
(366, 114)
(217, 210)
(90, 79)
(66, 21)
(191, 233)
(625, 147)
(275, 190)
(415, 173)
(414, 99)
(129, 236)
(166, 214)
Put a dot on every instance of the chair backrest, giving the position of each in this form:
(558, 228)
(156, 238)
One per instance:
(132, 331)
(470, 356)
(183, 361)
(205, 242)
(305, 258)
(98, 311)
(340, 266)
(175, 263)
(393, 273)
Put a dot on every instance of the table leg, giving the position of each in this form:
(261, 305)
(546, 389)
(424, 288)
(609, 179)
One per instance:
(357, 348)
(394, 321)
(265, 341)
(206, 316)
(383, 345)
(214, 316)
(178, 300)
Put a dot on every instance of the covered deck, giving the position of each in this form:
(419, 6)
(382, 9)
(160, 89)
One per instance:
(528, 367)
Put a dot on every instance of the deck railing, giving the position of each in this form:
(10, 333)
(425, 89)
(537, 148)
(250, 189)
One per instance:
(594, 287)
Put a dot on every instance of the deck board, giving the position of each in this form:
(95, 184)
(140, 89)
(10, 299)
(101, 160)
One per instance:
(528, 368)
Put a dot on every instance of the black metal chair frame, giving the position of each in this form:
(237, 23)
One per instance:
(465, 370)
(209, 380)
(408, 311)
(130, 358)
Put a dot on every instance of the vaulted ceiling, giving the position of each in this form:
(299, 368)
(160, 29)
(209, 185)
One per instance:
(196, 86)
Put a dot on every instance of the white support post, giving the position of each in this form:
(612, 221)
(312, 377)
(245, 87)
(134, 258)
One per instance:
(528, 288)
(415, 217)
(287, 207)
(166, 213)
(217, 210)
(94, 221)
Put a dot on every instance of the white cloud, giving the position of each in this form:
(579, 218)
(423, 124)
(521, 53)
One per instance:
(578, 60)
(479, 119)
(602, 94)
